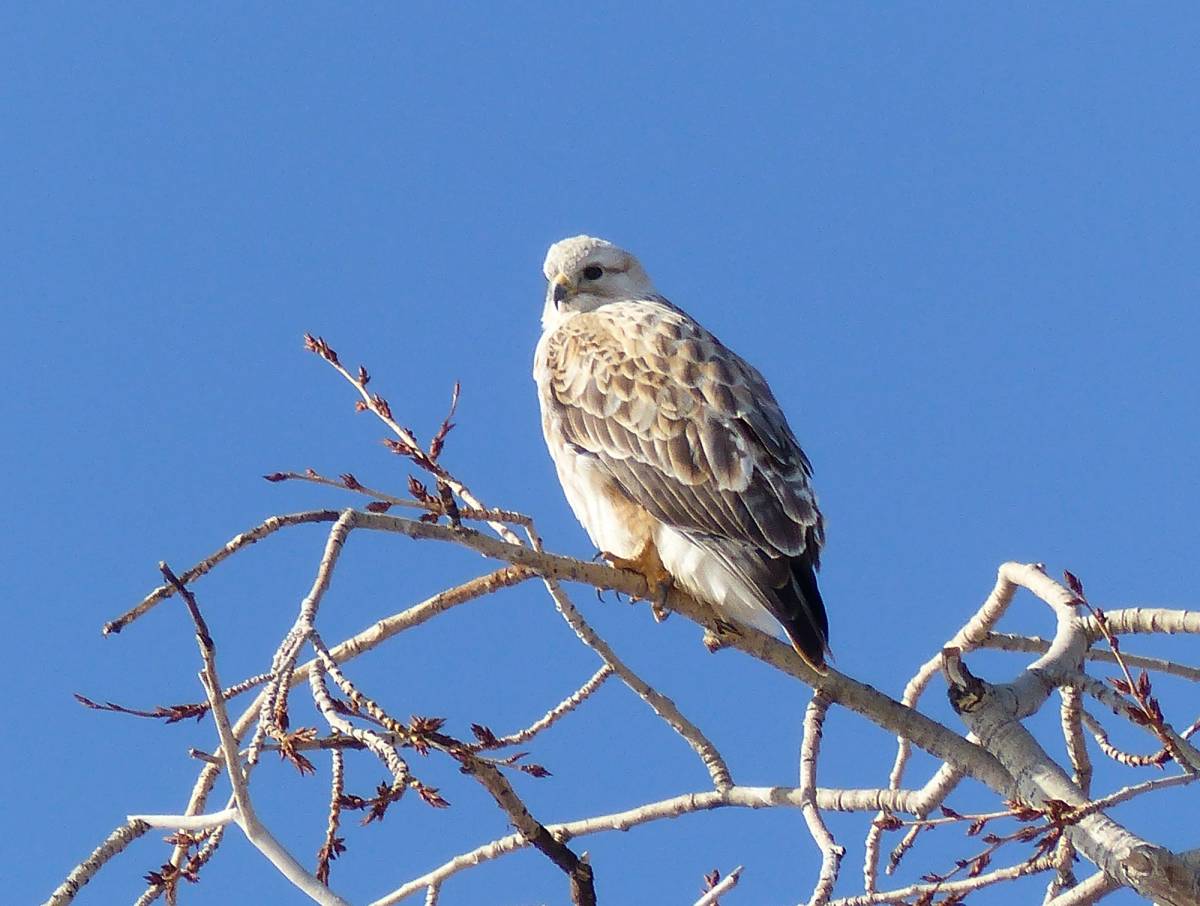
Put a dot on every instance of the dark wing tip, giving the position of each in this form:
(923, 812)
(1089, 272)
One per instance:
(802, 614)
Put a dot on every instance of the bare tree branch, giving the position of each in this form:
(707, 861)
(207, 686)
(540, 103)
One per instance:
(1056, 812)
(810, 750)
(722, 887)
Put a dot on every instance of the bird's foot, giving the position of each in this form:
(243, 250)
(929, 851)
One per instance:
(617, 562)
(718, 635)
(647, 565)
(658, 607)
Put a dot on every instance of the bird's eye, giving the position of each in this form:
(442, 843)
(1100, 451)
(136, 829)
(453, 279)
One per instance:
(593, 272)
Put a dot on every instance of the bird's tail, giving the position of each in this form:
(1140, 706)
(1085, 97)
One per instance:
(802, 613)
(786, 587)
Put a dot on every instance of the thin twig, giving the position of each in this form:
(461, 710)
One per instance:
(232, 546)
(551, 717)
(333, 846)
(348, 482)
(112, 846)
(577, 870)
(964, 886)
(663, 706)
(688, 803)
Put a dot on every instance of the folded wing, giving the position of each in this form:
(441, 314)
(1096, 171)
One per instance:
(692, 433)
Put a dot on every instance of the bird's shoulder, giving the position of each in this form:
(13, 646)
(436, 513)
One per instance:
(648, 341)
(647, 369)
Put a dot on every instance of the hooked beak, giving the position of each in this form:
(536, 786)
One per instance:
(561, 288)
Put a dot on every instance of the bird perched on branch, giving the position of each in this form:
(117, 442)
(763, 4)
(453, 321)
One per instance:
(672, 450)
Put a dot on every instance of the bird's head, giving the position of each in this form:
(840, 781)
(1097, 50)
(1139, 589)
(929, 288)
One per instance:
(585, 273)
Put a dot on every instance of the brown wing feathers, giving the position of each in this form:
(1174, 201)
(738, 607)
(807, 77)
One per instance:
(693, 434)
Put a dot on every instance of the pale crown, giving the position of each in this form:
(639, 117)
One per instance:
(585, 273)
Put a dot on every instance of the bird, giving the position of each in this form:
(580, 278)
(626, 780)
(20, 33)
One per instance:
(672, 450)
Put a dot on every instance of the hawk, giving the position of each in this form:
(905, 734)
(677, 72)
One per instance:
(672, 451)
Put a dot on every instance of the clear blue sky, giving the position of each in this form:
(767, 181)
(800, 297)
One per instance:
(961, 244)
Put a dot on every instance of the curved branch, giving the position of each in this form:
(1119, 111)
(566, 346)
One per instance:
(810, 750)
(1003, 641)
(858, 697)
(663, 706)
(992, 713)
(733, 797)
